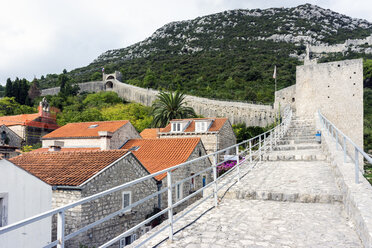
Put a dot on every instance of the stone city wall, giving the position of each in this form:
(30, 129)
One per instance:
(237, 112)
(284, 97)
(336, 89)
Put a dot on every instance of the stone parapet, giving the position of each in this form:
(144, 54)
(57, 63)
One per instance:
(357, 198)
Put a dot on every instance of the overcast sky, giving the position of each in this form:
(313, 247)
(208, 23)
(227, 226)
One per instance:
(40, 37)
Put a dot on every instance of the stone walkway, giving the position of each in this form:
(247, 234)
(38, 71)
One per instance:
(289, 200)
(296, 181)
(255, 223)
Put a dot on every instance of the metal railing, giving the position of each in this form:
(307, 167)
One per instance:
(336, 134)
(253, 150)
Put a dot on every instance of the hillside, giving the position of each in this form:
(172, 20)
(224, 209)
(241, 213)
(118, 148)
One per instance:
(227, 55)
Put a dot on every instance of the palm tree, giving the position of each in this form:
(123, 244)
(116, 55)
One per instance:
(170, 106)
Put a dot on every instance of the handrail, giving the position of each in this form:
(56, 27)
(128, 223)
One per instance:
(265, 141)
(335, 132)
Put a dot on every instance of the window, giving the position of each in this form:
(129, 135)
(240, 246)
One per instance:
(128, 240)
(127, 199)
(192, 183)
(179, 189)
(200, 126)
(176, 127)
(3, 209)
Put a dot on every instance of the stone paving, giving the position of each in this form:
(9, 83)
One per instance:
(254, 223)
(296, 181)
(290, 201)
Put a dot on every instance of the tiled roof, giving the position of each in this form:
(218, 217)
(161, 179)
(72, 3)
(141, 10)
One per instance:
(85, 129)
(150, 133)
(215, 127)
(66, 168)
(18, 119)
(159, 154)
(67, 149)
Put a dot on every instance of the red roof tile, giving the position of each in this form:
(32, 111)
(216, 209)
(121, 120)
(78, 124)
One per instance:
(150, 133)
(159, 154)
(84, 129)
(66, 168)
(18, 119)
(215, 127)
(67, 149)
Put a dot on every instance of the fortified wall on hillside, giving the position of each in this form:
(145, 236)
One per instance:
(335, 88)
(237, 112)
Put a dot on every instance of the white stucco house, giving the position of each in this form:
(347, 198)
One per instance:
(23, 195)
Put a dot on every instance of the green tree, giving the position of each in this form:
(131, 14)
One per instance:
(9, 88)
(170, 106)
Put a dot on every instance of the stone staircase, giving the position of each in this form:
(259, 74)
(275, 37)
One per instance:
(299, 144)
(290, 199)
(295, 171)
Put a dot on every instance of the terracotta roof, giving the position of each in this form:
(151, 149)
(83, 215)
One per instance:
(159, 154)
(67, 149)
(66, 168)
(150, 133)
(215, 127)
(85, 129)
(18, 119)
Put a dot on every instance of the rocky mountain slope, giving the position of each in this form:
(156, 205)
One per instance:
(230, 55)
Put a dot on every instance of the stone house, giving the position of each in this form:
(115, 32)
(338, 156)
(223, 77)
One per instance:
(74, 175)
(99, 134)
(215, 133)
(10, 142)
(23, 195)
(160, 154)
(29, 127)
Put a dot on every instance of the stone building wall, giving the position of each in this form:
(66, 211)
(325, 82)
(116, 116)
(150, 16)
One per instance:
(284, 97)
(123, 134)
(13, 138)
(125, 170)
(336, 89)
(209, 140)
(82, 142)
(237, 112)
(226, 137)
(185, 171)
(61, 198)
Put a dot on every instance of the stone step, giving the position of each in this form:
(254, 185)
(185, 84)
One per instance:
(291, 181)
(297, 138)
(297, 147)
(301, 155)
(291, 142)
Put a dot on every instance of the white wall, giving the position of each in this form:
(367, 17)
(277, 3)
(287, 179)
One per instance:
(27, 196)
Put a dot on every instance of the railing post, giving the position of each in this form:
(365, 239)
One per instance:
(344, 146)
(356, 166)
(250, 151)
(259, 147)
(271, 140)
(61, 229)
(215, 179)
(237, 162)
(170, 204)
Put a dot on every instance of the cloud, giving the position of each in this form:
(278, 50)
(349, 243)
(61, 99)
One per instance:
(46, 36)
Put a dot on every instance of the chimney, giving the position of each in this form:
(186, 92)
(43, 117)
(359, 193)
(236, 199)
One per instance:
(56, 147)
(105, 139)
